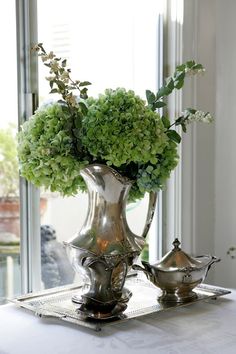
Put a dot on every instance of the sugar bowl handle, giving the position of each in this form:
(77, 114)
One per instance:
(213, 260)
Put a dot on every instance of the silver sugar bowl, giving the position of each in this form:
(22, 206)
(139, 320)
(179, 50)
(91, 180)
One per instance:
(177, 274)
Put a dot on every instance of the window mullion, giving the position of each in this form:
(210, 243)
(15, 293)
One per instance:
(29, 196)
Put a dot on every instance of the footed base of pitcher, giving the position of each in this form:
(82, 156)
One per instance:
(105, 313)
(83, 298)
(94, 308)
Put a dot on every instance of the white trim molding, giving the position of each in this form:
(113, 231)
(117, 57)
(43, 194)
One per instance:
(198, 144)
(189, 199)
(172, 205)
(188, 151)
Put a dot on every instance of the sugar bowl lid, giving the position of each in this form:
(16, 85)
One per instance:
(178, 259)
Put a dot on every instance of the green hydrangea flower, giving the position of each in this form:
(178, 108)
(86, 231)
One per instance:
(46, 151)
(119, 129)
(152, 178)
(123, 132)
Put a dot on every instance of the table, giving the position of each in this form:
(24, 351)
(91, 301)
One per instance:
(203, 327)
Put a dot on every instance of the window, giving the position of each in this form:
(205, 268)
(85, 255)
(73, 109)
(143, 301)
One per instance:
(112, 44)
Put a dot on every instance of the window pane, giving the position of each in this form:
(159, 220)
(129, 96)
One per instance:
(9, 180)
(114, 45)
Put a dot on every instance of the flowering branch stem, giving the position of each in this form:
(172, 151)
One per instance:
(156, 101)
(61, 82)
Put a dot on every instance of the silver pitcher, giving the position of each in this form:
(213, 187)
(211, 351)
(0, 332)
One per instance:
(105, 248)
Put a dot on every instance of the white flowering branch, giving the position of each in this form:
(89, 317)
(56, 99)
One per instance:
(191, 115)
(60, 80)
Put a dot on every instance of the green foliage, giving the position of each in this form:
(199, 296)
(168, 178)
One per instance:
(9, 172)
(118, 129)
(48, 156)
(173, 82)
(123, 132)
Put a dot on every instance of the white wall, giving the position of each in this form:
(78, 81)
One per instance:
(209, 152)
(225, 147)
(198, 143)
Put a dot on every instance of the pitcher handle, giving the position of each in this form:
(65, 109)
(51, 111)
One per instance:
(150, 213)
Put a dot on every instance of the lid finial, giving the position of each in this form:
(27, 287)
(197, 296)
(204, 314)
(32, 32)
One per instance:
(176, 244)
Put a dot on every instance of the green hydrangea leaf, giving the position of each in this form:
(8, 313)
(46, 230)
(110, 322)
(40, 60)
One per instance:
(173, 135)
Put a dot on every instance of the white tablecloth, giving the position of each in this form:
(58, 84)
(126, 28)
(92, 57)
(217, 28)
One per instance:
(203, 327)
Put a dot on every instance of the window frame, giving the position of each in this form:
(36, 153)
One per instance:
(173, 56)
(26, 31)
(167, 219)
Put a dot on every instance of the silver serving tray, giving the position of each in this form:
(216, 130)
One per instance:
(57, 302)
